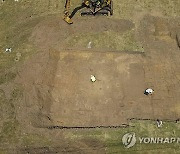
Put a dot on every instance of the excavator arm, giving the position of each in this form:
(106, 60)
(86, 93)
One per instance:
(67, 15)
(66, 12)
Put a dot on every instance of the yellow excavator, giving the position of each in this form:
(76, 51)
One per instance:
(91, 7)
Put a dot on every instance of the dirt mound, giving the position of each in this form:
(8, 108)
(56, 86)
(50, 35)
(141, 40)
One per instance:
(54, 33)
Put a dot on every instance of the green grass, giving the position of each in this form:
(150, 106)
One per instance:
(35, 139)
(108, 40)
(15, 30)
(9, 132)
(4, 78)
(129, 9)
(112, 138)
(7, 108)
(2, 96)
(16, 93)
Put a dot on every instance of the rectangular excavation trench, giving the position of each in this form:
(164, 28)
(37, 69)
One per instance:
(116, 95)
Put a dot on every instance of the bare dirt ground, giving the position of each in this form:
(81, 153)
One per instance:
(58, 89)
(136, 48)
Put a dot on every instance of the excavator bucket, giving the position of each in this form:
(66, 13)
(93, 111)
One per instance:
(66, 12)
(68, 20)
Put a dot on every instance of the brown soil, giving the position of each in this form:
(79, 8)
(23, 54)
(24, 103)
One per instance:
(58, 90)
(52, 32)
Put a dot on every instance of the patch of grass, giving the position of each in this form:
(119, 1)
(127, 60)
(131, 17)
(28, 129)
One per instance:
(17, 39)
(9, 132)
(145, 129)
(17, 93)
(106, 40)
(7, 110)
(8, 106)
(2, 151)
(96, 134)
(128, 9)
(112, 138)
(2, 96)
(7, 77)
(35, 140)
(17, 22)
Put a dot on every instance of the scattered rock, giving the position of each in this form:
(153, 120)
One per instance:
(159, 123)
(8, 50)
(89, 45)
(18, 55)
(148, 91)
(93, 78)
(17, 59)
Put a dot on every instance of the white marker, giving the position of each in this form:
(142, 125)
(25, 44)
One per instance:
(93, 78)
